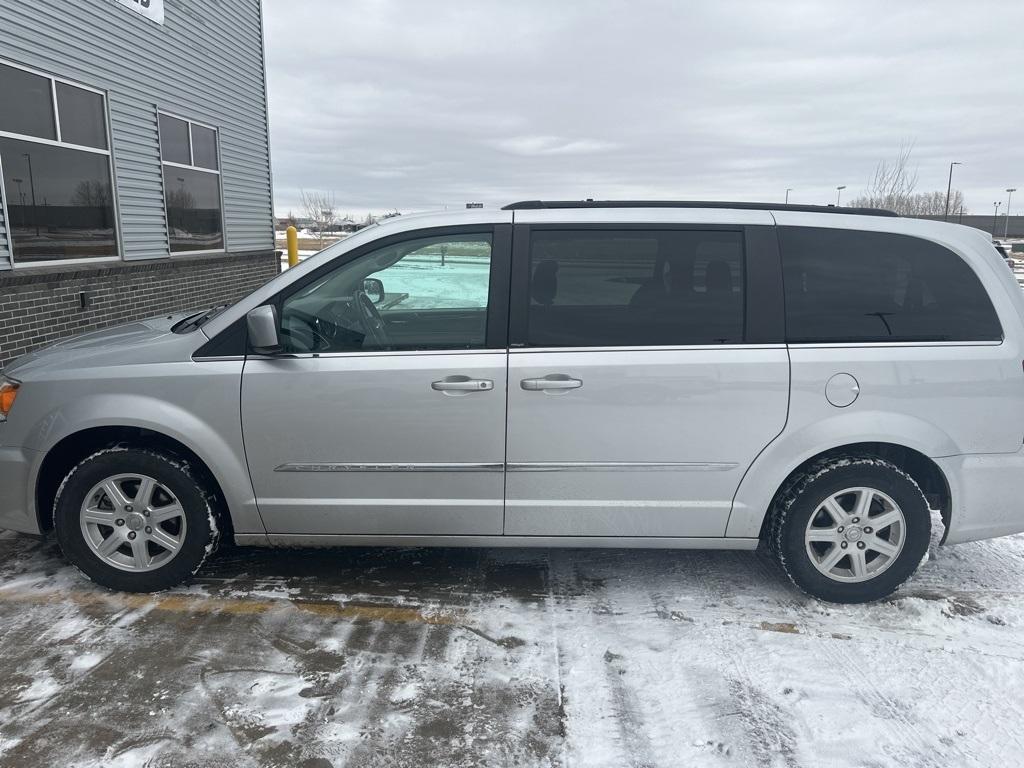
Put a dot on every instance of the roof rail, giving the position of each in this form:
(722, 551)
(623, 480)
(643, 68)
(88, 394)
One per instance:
(534, 205)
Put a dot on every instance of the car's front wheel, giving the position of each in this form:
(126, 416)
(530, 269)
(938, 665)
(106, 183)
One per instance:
(135, 519)
(851, 529)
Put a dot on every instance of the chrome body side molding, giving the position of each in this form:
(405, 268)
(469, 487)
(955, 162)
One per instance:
(620, 466)
(524, 466)
(457, 466)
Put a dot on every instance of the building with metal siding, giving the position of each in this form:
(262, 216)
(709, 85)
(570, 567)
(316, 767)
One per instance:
(89, 182)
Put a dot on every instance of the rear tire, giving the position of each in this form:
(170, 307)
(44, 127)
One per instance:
(135, 519)
(851, 529)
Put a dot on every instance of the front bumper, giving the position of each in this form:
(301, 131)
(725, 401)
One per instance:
(988, 495)
(17, 513)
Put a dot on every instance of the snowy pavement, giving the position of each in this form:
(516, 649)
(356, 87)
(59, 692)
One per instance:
(490, 657)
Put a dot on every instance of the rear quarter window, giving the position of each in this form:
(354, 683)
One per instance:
(852, 286)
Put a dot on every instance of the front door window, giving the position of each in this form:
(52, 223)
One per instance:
(423, 294)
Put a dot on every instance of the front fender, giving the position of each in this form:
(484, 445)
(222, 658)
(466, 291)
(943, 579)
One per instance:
(208, 425)
(792, 448)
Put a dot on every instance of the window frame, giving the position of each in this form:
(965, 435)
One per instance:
(192, 157)
(108, 152)
(496, 334)
(763, 309)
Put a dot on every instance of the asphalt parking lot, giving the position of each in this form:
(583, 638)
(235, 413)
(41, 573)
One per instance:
(489, 657)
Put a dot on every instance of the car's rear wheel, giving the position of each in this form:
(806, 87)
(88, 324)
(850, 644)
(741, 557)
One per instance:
(135, 519)
(851, 529)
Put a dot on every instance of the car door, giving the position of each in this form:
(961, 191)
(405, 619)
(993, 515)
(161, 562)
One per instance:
(646, 372)
(385, 413)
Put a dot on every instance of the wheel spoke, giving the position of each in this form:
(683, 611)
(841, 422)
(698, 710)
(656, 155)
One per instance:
(144, 496)
(863, 505)
(140, 554)
(165, 540)
(163, 514)
(881, 546)
(886, 519)
(836, 512)
(830, 535)
(99, 516)
(858, 563)
(110, 544)
(833, 556)
(117, 497)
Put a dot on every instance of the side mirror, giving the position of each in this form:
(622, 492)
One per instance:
(262, 324)
(374, 289)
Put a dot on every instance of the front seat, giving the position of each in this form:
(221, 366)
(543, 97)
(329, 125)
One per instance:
(544, 285)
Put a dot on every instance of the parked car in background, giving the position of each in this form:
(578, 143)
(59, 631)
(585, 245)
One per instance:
(828, 383)
(1010, 262)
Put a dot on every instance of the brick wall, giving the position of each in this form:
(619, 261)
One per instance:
(40, 306)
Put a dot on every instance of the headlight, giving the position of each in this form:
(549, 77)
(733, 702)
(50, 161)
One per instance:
(8, 393)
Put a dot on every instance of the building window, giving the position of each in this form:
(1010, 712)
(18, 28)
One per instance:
(56, 181)
(195, 216)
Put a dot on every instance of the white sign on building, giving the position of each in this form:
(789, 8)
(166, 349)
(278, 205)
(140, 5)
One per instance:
(151, 9)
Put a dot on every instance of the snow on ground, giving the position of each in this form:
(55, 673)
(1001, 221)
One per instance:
(491, 657)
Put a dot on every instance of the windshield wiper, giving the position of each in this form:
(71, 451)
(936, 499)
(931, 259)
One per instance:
(192, 322)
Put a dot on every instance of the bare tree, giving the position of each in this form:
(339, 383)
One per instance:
(92, 194)
(892, 187)
(321, 209)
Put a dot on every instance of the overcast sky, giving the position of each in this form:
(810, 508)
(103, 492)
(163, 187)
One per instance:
(418, 105)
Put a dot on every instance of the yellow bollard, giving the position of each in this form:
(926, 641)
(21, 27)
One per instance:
(293, 247)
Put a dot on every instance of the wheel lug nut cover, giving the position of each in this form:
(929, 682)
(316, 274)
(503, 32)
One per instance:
(860, 545)
(131, 535)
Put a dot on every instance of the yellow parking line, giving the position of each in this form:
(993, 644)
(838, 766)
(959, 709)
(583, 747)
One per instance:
(241, 606)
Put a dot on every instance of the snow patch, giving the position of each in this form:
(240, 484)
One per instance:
(43, 686)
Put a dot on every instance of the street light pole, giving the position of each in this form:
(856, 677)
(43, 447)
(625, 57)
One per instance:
(839, 191)
(995, 219)
(32, 189)
(788, 190)
(949, 188)
(1009, 195)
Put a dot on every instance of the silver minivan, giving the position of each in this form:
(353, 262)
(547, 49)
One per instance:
(836, 385)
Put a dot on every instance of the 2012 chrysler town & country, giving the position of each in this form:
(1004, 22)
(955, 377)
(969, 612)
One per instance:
(829, 383)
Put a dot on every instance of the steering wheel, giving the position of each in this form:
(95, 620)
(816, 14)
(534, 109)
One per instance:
(305, 339)
(372, 322)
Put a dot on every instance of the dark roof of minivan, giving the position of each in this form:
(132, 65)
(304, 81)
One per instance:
(533, 205)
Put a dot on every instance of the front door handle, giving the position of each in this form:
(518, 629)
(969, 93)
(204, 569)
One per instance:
(462, 384)
(551, 381)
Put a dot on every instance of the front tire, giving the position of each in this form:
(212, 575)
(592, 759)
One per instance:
(135, 519)
(851, 529)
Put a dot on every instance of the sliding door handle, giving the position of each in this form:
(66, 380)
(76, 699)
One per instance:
(462, 384)
(556, 381)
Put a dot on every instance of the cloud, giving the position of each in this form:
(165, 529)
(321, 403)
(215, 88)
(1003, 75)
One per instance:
(552, 145)
(421, 105)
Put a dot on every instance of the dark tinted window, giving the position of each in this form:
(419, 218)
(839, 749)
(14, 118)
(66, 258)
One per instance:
(59, 202)
(174, 141)
(635, 288)
(204, 147)
(849, 286)
(27, 103)
(81, 116)
(193, 209)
